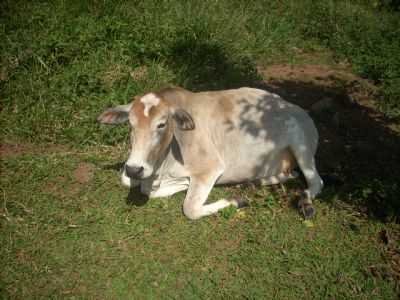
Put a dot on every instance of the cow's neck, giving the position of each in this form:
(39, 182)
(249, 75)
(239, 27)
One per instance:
(170, 160)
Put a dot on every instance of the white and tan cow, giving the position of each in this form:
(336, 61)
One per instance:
(183, 140)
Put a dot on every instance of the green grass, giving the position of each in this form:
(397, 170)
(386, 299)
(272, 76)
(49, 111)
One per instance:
(369, 40)
(65, 239)
(61, 236)
(61, 63)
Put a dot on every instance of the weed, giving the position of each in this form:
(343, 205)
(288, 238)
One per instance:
(228, 212)
(270, 201)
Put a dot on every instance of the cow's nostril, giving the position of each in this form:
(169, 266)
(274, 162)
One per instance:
(134, 172)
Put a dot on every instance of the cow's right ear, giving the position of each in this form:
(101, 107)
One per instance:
(115, 115)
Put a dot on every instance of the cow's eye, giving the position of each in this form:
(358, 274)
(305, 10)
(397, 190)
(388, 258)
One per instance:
(161, 126)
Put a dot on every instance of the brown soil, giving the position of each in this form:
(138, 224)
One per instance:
(84, 172)
(60, 187)
(307, 84)
(9, 149)
(81, 175)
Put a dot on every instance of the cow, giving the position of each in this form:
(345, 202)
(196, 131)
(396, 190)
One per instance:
(183, 140)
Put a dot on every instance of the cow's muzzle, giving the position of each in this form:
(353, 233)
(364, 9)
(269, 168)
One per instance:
(134, 172)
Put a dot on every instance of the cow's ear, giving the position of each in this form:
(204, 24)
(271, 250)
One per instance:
(115, 115)
(183, 119)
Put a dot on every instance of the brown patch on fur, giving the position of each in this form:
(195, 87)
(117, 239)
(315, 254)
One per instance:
(203, 177)
(204, 169)
(157, 109)
(288, 162)
(169, 90)
(226, 106)
(223, 109)
(202, 152)
(137, 112)
(174, 96)
(165, 141)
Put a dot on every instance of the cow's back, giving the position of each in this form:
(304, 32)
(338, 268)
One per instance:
(251, 129)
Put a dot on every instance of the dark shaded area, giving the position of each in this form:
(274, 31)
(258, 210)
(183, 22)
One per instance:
(136, 198)
(358, 154)
(365, 35)
(205, 65)
(116, 167)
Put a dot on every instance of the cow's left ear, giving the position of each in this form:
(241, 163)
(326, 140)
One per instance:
(183, 119)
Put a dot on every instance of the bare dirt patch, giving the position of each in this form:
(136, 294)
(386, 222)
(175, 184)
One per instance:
(9, 150)
(294, 83)
(61, 187)
(84, 172)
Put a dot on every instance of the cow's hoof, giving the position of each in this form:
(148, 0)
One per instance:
(307, 210)
(240, 202)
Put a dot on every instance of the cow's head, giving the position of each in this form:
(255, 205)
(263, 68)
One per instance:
(153, 122)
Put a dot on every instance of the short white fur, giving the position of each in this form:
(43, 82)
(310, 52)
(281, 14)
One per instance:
(149, 100)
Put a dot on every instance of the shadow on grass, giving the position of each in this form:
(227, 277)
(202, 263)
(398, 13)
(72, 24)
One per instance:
(205, 65)
(135, 197)
(116, 167)
(358, 154)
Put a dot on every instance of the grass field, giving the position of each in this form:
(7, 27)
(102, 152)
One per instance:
(68, 229)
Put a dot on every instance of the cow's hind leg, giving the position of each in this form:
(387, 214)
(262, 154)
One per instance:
(194, 206)
(306, 162)
(280, 178)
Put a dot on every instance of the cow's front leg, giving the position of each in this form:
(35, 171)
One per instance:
(170, 187)
(194, 206)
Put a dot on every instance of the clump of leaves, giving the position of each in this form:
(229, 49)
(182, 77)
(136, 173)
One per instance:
(228, 212)
(270, 201)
